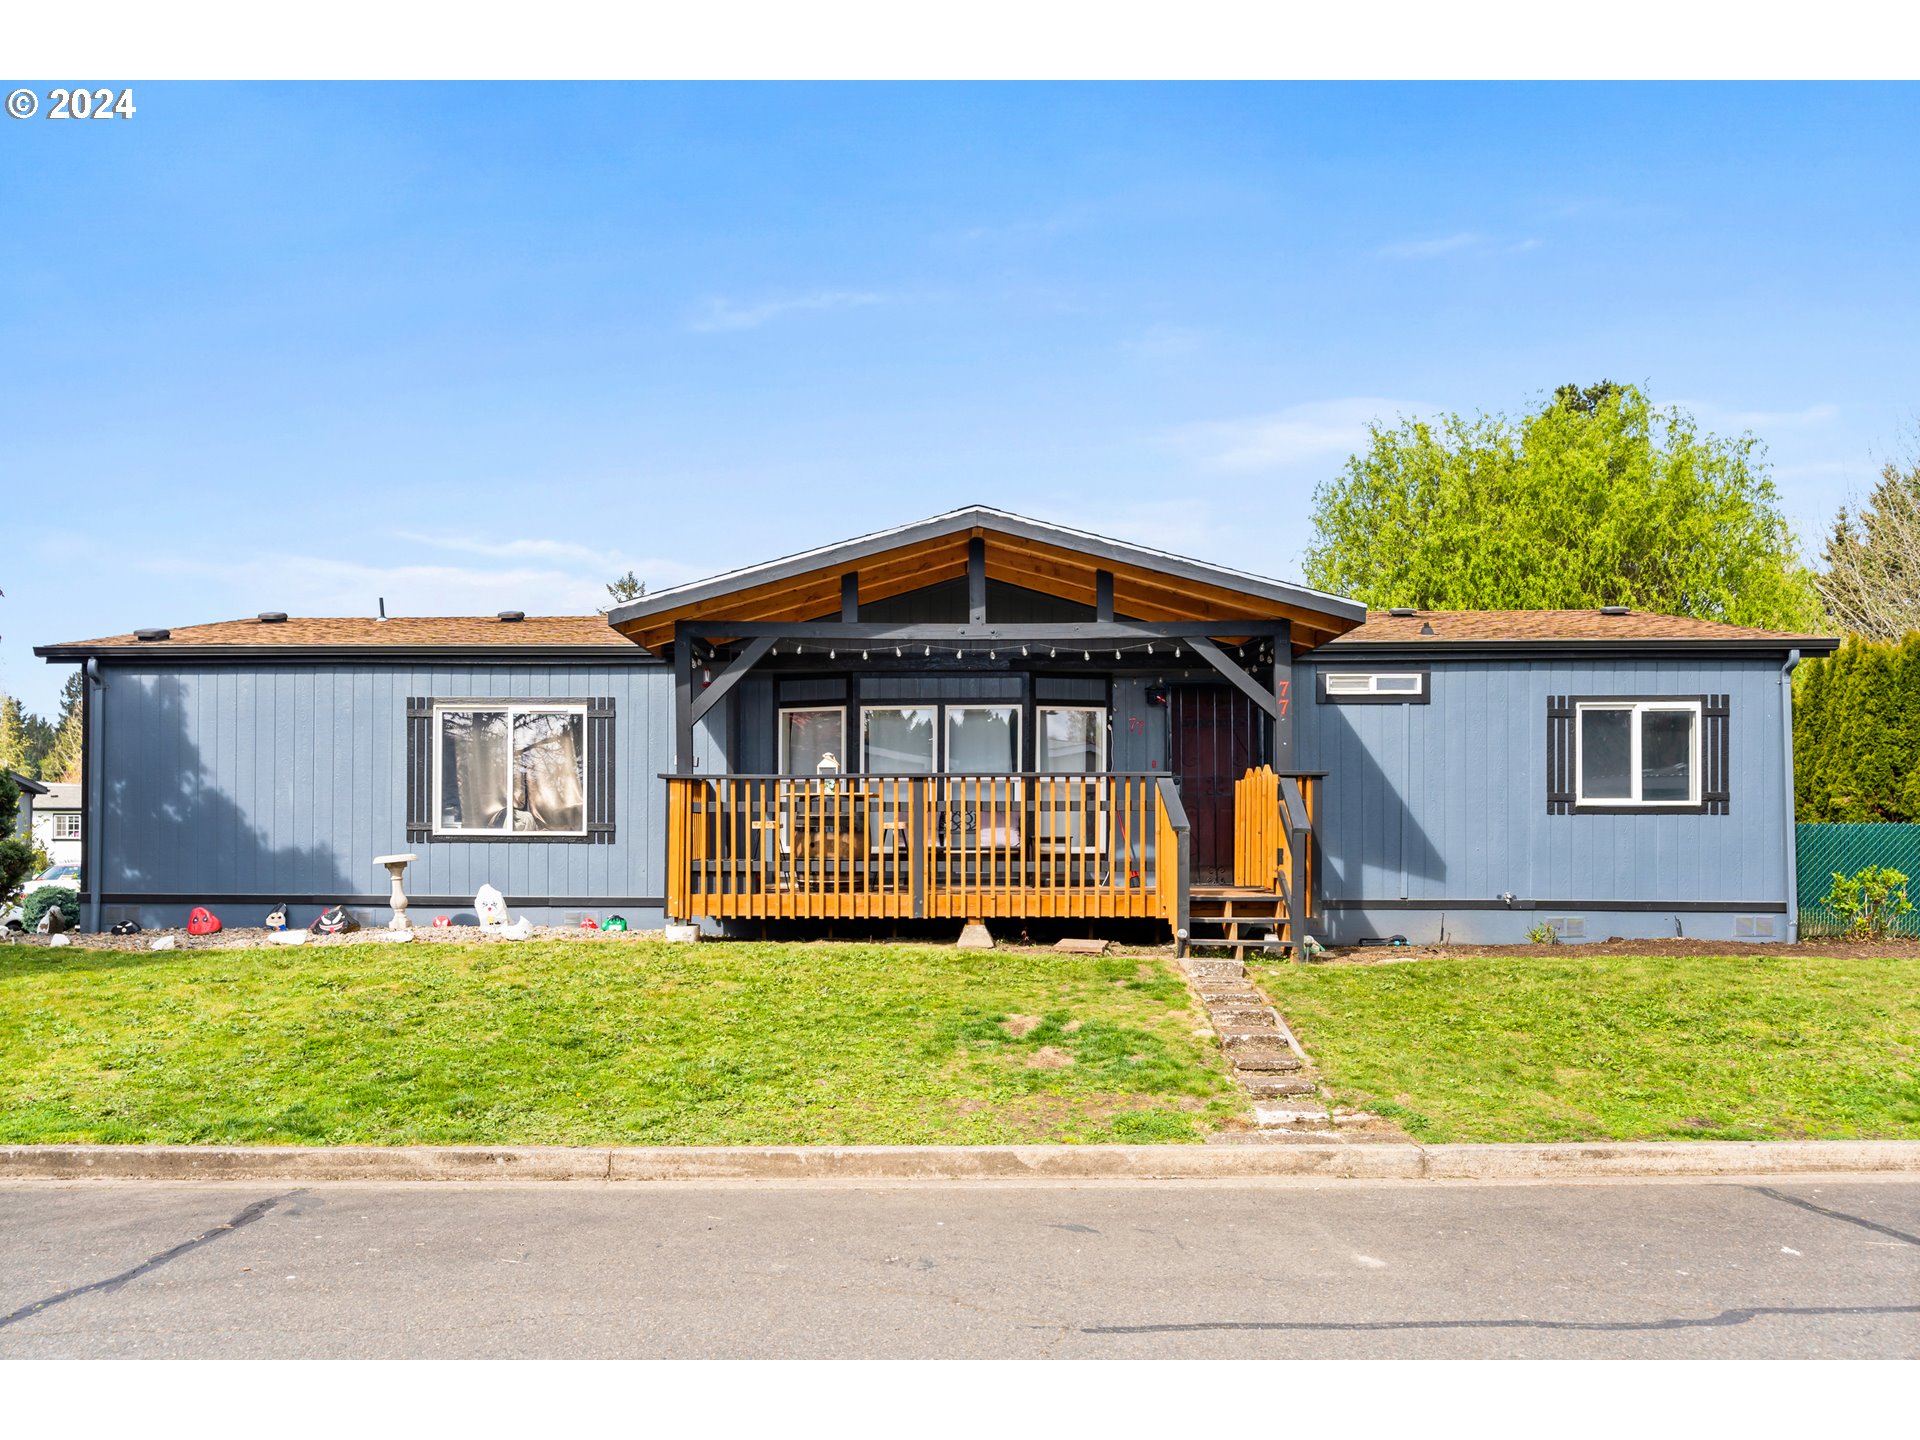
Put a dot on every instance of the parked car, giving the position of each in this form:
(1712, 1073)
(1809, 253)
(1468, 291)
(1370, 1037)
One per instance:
(67, 875)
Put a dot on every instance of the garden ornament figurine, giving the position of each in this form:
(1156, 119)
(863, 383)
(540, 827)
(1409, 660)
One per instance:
(491, 906)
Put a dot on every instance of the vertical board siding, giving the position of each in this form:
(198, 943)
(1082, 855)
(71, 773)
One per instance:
(289, 780)
(1449, 800)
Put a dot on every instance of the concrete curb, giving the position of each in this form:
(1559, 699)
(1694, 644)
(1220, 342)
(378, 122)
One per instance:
(961, 1162)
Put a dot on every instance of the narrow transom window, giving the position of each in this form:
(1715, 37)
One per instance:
(510, 770)
(1377, 685)
(1637, 753)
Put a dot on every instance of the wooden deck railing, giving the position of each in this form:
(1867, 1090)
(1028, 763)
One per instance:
(777, 847)
(1273, 845)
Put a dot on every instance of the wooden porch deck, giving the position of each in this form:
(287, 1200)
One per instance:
(977, 847)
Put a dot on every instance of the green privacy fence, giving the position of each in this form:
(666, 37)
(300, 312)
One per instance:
(1824, 849)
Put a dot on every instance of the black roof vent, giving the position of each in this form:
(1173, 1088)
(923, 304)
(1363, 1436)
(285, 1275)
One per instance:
(1405, 612)
(272, 617)
(153, 634)
(512, 617)
(1426, 629)
(1615, 610)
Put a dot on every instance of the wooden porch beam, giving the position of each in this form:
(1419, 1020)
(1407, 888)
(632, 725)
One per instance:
(731, 676)
(1240, 679)
(1283, 723)
(682, 698)
(1065, 632)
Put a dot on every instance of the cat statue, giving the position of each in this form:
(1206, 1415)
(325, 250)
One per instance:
(491, 906)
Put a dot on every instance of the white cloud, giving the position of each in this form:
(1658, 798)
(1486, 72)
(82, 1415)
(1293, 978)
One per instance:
(1714, 417)
(1308, 431)
(1465, 240)
(1163, 342)
(327, 585)
(722, 315)
(1440, 245)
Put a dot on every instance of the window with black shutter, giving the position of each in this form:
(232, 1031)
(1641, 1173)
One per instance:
(1637, 754)
(511, 768)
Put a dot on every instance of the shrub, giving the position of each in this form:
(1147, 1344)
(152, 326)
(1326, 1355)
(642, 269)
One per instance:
(17, 854)
(1869, 901)
(44, 899)
(1544, 934)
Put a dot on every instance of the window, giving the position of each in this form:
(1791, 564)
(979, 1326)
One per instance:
(1637, 753)
(512, 770)
(983, 739)
(1070, 740)
(1377, 687)
(807, 735)
(898, 740)
(66, 825)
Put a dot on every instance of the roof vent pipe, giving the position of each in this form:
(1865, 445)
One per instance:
(1426, 629)
(383, 607)
(272, 617)
(512, 617)
(153, 634)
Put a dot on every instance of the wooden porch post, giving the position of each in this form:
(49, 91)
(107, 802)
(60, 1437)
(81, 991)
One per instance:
(1283, 695)
(682, 699)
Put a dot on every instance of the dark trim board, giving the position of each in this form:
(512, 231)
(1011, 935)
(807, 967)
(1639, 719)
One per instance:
(1657, 907)
(1344, 650)
(163, 654)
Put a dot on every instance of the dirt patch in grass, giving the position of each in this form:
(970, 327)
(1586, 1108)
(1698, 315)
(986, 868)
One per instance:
(1047, 1057)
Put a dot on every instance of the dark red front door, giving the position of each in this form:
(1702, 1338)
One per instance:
(1218, 735)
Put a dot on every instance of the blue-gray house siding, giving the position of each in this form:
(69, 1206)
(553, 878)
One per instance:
(238, 784)
(1434, 820)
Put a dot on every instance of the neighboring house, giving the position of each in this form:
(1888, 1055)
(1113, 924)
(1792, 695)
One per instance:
(30, 791)
(976, 716)
(57, 823)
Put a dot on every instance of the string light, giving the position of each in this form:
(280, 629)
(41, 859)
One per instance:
(896, 652)
(863, 654)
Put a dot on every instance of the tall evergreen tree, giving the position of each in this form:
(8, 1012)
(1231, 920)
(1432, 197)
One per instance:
(16, 745)
(1856, 734)
(61, 762)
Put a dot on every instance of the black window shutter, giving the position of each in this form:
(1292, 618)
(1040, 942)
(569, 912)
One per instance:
(1716, 788)
(1559, 754)
(600, 770)
(419, 767)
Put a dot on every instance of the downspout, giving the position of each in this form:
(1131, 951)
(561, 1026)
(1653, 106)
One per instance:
(93, 870)
(1793, 838)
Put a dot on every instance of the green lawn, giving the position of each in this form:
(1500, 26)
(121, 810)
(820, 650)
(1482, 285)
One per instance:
(600, 1043)
(1560, 1047)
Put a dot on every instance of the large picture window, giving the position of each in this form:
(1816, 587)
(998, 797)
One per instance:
(1637, 754)
(510, 770)
(983, 739)
(898, 740)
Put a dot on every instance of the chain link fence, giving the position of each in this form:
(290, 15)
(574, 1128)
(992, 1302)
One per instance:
(1824, 849)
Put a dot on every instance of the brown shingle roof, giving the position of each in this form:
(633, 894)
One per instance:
(357, 632)
(1496, 626)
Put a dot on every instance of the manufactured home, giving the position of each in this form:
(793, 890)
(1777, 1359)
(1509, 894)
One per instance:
(978, 717)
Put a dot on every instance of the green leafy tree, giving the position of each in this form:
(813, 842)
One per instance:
(1598, 498)
(1871, 583)
(61, 762)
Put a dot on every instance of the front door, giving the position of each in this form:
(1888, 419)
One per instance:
(1218, 735)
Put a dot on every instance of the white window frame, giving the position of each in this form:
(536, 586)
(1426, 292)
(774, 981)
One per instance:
(1638, 709)
(511, 708)
(66, 824)
(947, 711)
(1372, 685)
(1040, 730)
(781, 739)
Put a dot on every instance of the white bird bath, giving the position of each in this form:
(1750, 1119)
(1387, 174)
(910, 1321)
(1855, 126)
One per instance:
(397, 868)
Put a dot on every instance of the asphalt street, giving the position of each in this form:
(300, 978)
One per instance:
(1787, 1268)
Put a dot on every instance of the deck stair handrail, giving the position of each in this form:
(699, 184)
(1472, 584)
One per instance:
(1174, 880)
(1274, 840)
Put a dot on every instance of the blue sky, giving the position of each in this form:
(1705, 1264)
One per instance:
(477, 347)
